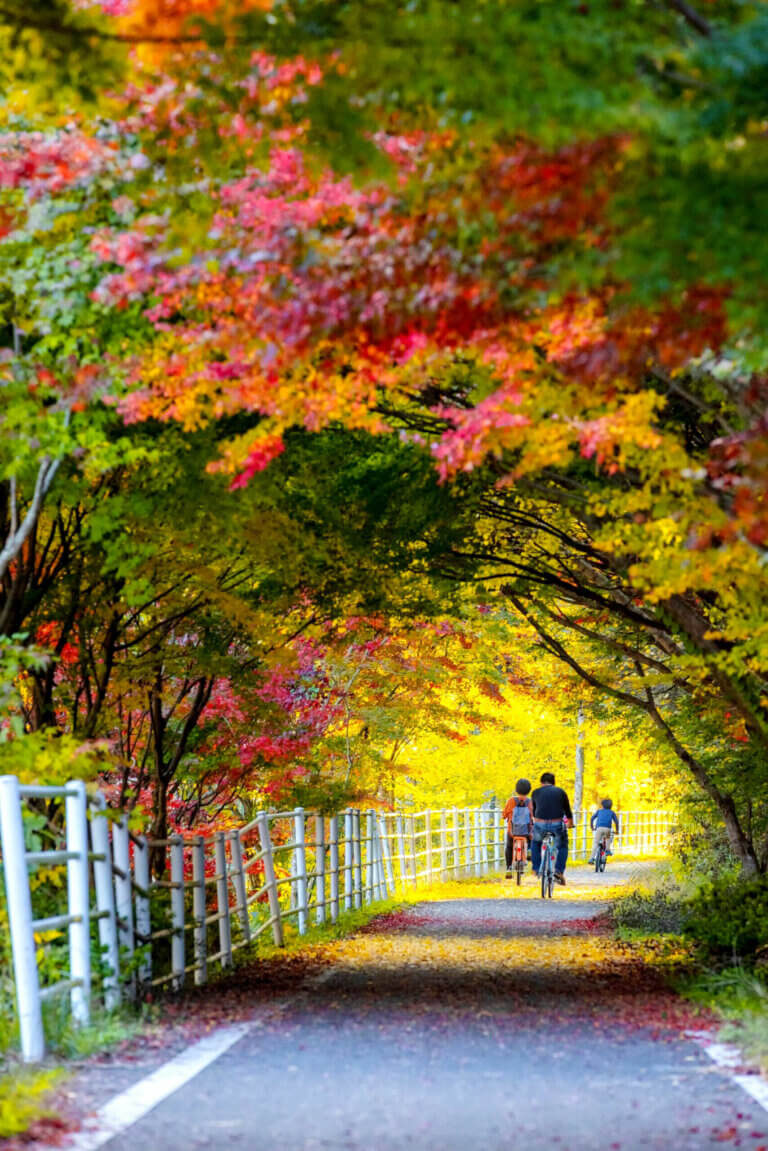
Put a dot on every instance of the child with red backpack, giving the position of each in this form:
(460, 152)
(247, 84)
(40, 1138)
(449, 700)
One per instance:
(518, 812)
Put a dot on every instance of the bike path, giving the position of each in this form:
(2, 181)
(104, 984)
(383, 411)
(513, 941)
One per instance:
(463, 1024)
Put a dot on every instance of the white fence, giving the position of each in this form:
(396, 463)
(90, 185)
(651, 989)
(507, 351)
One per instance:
(212, 895)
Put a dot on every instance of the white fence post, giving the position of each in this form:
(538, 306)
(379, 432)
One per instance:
(178, 938)
(141, 906)
(105, 902)
(333, 845)
(222, 899)
(357, 862)
(412, 845)
(270, 879)
(300, 855)
(200, 930)
(348, 853)
(443, 845)
(79, 899)
(456, 844)
(428, 844)
(20, 921)
(320, 868)
(238, 882)
(387, 854)
(400, 839)
(121, 853)
(381, 877)
(369, 858)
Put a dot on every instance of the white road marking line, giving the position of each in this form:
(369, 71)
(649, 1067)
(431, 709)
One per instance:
(131, 1105)
(726, 1055)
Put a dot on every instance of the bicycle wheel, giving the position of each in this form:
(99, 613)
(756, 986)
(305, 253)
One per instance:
(544, 871)
(603, 859)
(550, 884)
(520, 866)
(598, 853)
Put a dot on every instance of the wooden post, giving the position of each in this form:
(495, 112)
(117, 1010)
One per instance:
(270, 880)
(222, 899)
(456, 844)
(198, 910)
(105, 902)
(20, 921)
(320, 867)
(333, 842)
(348, 855)
(300, 855)
(178, 948)
(238, 882)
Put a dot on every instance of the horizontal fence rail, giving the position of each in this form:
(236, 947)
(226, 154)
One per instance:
(166, 912)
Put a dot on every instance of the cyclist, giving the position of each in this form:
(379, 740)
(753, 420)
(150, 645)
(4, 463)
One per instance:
(551, 813)
(602, 823)
(518, 812)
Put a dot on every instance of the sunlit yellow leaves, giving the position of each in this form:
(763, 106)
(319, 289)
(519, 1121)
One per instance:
(489, 954)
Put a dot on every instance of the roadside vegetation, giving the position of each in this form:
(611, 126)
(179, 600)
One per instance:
(712, 930)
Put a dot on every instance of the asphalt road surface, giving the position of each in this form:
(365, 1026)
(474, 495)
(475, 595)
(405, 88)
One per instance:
(479, 1023)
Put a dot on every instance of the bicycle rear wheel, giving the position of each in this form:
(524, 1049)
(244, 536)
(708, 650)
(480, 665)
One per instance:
(520, 866)
(550, 884)
(544, 871)
(598, 855)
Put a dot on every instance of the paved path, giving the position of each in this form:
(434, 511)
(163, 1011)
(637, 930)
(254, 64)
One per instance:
(479, 1023)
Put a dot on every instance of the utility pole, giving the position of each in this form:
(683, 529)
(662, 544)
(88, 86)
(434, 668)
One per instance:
(578, 782)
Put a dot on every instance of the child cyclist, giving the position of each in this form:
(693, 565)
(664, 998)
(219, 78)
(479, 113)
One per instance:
(518, 812)
(602, 823)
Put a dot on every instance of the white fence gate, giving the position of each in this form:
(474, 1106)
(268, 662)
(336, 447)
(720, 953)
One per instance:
(218, 893)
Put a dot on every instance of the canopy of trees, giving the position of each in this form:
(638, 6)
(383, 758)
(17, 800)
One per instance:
(364, 363)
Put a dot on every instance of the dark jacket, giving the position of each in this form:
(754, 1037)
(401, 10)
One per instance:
(550, 802)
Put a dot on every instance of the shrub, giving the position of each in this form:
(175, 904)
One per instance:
(22, 1100)
(729, 918)
(657, 912)
(699, 850)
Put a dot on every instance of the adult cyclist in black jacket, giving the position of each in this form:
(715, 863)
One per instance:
(551, 812)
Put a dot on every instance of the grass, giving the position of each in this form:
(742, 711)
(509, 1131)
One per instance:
(25, 1094)
(740, 998)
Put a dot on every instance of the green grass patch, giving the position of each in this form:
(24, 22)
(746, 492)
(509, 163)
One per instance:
(740, 998)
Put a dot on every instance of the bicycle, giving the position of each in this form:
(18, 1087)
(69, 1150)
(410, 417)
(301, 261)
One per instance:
(547, 869)
(601, 855)
(519, 856)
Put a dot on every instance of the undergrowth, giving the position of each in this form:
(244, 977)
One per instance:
(23, 1099)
